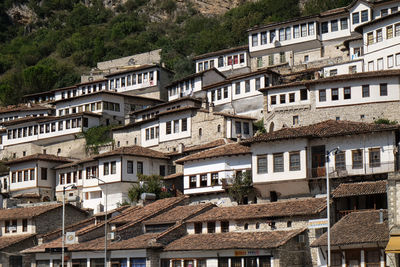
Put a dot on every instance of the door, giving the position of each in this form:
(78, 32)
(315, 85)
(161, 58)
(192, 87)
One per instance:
(318, 161)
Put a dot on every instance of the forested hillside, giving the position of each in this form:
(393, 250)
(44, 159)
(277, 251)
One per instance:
(47, 44)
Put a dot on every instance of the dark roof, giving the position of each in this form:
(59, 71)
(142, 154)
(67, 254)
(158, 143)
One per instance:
(44, 157)
(167, 103)
(301, 207)
(197, 74)
(184, 108)
(358, 227)
(221, 52)
(325, 129)
(229, 115)
(273, 24)
(74, 163)
(179, 213)
(215, 143)
(27, 212)
(6, 241)
(221, 151)
(233, 240)
(137, 68)
(22, 107)
(92, 82)
(360, 189)
(133, 151)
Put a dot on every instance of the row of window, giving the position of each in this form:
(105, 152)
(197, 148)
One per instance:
(46, 128)
(292, 97)
(203, 180)
(230, 60)
(356, 16)
(278, 162)
(139, 167)
(132, 79)
(98, 106)
(11, 226)
(377, 35)
(16, 117)
(84, 90)
(334, 25)
(239, 129)
(152, 133)
(181, 87)
(179, 126)
(390, 62)
(265, 37)
(383, 91)
(27, 175)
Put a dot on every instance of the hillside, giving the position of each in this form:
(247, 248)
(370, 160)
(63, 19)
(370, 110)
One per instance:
(48, 45)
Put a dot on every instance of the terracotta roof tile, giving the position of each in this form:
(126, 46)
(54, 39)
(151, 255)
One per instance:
(27, 212)
(233, 240)
(174, 175)
(222, 52)
(360, 189)
(357, 228)
(6, 241)
(134, 151)
(179, 213)
(329, 128)
(22, 107)
(44, 157)
(221, 151)
(309, 206)
(74, 163)
(215, 143)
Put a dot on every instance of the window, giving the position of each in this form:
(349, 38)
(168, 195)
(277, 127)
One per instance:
(278, 162)
(383, 89)
(26, 176)
(219, 94)
(106, 170)
(373, 257)
(288, 33)
(129, 166)
(32, 174)
(258, 84)
(246, 226)
(335, 94)
(214, 178)
(356, 18)
(230, 61)
(296, 31)
(379, 37)
(365, 90)
(203, 180)
(254, 39)
(168, 127)
(370, 38)
(357, 159)
(192, 181)
(324, 27)
(303, 94)
(347, 93)
(394, 9)
(295, 120)
(264, 38)
(43, 173)
(271, 36)
(384, 12)
(162, 170)
(303, 30)
(390, 62)
(291, 97)
(237, 88)
(262, 164)
(220, 62)
(247, 86)
(7, 226)
(225, 92)
(198, 228)
(139, 167)
(397, 30)
(282, 99)
(311, 30)
(294, 161)
(282, 57)
(113, 167)
(224, 226)
(271, 60)
(14, 226)
(210, 227)
(364, 15)
(343, 24)
(334, 25)
(282, 34)
(238, 127)
(306, 58)
(389, 32)
(184, 125)
(374, 157)
(273, 100)
(322, 95)
(352, 69)
(176, 126)
(246, 128)
(333, 72)
(340, 161)
(24, 225)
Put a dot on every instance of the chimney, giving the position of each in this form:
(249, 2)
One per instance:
(211, 108)
(381, 216)
(181, 147)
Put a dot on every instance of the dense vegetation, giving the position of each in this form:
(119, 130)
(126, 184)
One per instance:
(66, 38)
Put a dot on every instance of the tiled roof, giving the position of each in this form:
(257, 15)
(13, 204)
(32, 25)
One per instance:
(221, 151)
(360, 189)
(182, 99)
(74, 163)
(178, 213)
(27, 212)
(215, 143)
(22, 107)
(136, 68)
(132, 215)
(6, 241)
(222, 52)
(329, 128)
(27, 119)
(357, 228)
(173, 176)
(233, 240)
(134, 151)
(44, 157)
(301, 207)
(234, 116)
(197, 74)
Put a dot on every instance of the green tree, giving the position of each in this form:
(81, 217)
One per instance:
(242, 187)
(39, 78)
(96, 137)
(148, 184)
(259, 126)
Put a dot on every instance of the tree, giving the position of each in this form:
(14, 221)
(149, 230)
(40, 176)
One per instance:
(149, 184)
(241, 187)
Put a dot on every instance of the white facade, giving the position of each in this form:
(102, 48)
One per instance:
(224, 61)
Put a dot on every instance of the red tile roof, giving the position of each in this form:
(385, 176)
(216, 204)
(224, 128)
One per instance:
(221, 151)
(22, 107)
(6, 241)
(173, 176)
(325, 129)
(233, 240)
(360, 189)
(301, 207)
(44, 157)
(218, 142)
(27, 212)
(362, 227)
(133, 151)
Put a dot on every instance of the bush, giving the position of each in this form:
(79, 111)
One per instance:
(149, 184)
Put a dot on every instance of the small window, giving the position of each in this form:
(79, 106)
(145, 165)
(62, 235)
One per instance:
(219, 128)
(139, 167)
(357, 159)
(198, 228)
(291, 97)
(210, 227)
(203, 180)
(262, 164)
(129, 166)
(282, 99)
(383, 89)
(168, 127)
(294, 161)
(278, 162)
(184, 125)
(334, 25)
(24, 225)
(295, 120)
(214, 179)
(379, 36)
(335, 94)
(374, 157)
(237, 91)
(303, 94)
(43, 173)
(273, 100)
(200, 132)
(289, 224)
(324, 27)
(340, 161)
(246, 226)
(246, 128)
(113, 167)
(224, 226)
(257, 225)
(106, 170)
(343, 24)
(365, 90)
(193, 181)
(322, 95)
(347, 93)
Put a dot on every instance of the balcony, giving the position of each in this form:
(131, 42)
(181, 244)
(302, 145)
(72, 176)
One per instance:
(348, 170)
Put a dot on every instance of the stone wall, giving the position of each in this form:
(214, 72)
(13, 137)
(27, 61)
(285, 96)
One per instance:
(393, 195)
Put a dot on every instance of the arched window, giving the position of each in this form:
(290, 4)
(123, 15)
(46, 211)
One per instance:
(200, 131)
